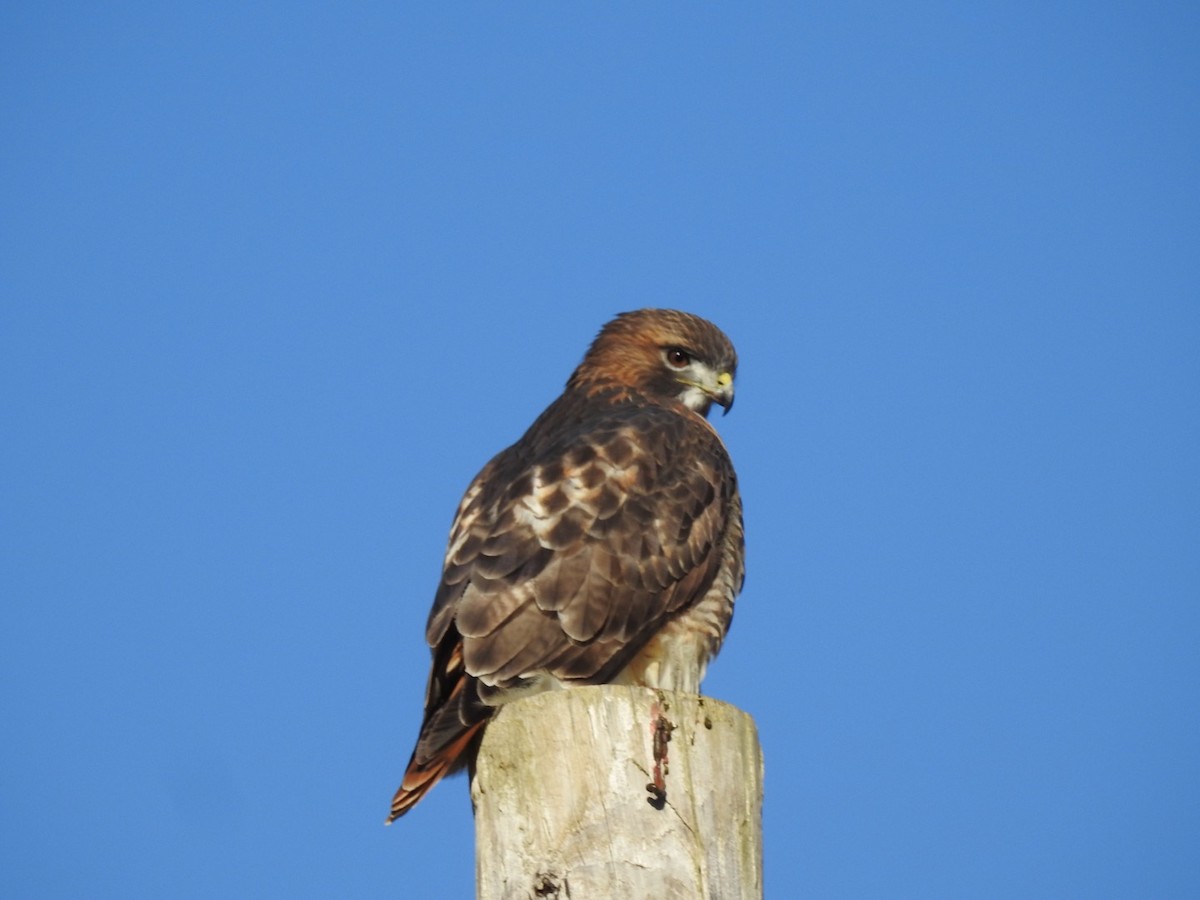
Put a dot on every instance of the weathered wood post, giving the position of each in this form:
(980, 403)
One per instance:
(610, 792)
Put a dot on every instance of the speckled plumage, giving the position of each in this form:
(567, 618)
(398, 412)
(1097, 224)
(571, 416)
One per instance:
(605, 545)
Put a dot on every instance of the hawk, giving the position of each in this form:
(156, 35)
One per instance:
(603, 547)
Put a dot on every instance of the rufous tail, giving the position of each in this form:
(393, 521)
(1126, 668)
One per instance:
(421, 776)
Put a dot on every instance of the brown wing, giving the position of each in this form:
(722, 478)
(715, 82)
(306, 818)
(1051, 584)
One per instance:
(569, 551)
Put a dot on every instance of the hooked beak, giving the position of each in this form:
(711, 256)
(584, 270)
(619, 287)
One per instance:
(723, 395)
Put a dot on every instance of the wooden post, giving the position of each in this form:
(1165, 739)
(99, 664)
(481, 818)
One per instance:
(618, 792)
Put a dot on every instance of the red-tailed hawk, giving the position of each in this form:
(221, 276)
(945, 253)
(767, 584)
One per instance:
(605, 546)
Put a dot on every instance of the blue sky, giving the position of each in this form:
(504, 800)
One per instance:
(277, 280)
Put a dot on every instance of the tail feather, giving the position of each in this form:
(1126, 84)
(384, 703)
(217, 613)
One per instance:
(422, 775)
(454, 720)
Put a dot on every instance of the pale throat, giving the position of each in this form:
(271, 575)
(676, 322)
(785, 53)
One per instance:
(696, 400)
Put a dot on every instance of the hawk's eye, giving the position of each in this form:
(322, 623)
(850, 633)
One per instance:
(678, 357)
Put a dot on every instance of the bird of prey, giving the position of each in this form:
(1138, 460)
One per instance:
(603, 547)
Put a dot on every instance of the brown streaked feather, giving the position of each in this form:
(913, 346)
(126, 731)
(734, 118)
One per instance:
(571, 550)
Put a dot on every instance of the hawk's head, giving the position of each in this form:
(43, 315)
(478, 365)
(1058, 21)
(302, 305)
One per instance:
(663, 353)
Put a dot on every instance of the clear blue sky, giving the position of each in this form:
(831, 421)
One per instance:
(277, 279)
